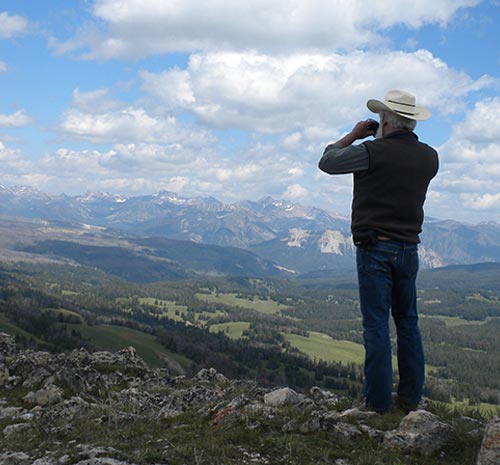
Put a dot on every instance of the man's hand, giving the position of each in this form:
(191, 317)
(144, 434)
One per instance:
(360, 131)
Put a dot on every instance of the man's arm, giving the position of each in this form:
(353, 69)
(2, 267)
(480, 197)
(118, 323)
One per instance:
(343, 157)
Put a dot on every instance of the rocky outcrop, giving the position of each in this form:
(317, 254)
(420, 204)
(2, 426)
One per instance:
(490, 448)
(69, 395)
(419, 431)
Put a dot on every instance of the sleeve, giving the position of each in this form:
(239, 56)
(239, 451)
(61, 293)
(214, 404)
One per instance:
(338, 160)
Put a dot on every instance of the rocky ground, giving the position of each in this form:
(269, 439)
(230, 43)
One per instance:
(112, 409)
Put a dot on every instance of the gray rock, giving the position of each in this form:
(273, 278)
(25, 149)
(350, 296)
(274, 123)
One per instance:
(10, 412)
(347, 431)
(210, 374)
(372, 433)
(49, 395)
(356, 413)
(15, 458)
(489, 454)
(15, 428)
(419, 432)
(319, 395)
(66, 411)
(4, 375)
(283, 396)
(103, 461)
(7, 344)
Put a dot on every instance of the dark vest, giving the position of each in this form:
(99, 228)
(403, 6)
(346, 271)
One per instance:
(389, 197)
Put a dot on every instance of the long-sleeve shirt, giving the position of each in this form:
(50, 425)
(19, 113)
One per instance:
(350, 159)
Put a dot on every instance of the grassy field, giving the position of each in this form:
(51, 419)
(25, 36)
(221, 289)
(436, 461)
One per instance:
(263, 306)
(233, 330)
(452, 321)
(322, 347)
(114, 338)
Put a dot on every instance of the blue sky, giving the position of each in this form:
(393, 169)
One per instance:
(237, 99)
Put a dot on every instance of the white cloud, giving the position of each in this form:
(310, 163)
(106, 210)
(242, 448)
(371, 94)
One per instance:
(484, 202)
(299, 92)
(295, 192)
(12, 161)
(469, 178)
(482, 124)
(137, 28)
(12, 25)
(15, 120)
(96, 101)
(96, 117)
(3, 66)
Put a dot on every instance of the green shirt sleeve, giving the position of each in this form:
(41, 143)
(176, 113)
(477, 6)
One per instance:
(338, 160)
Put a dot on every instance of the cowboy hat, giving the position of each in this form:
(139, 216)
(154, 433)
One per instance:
(400, 102)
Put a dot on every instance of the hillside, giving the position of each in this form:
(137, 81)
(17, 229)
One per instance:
(110, 408)
(125, 255)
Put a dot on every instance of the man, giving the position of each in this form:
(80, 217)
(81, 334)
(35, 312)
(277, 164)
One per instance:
(391, 176)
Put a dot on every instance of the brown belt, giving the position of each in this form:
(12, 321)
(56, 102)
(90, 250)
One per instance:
(383, 238)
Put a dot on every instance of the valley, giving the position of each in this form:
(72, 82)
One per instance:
(277, 331)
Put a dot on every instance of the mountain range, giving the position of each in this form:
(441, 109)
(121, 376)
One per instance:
(275, 236)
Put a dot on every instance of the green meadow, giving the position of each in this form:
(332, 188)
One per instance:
(233, 330)
(268, 307)
(114, 338)
(320, 346)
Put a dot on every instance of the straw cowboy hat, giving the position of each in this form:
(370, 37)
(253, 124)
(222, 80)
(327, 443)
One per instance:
(400, 102)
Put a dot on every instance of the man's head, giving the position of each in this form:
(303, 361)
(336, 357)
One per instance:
(391, 121)
(398, 111)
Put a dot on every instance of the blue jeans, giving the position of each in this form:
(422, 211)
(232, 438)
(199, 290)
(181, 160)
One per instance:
(386, 274)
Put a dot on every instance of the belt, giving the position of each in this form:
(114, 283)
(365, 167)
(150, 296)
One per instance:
(383, 238)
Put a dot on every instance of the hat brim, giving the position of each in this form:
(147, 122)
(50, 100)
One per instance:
(420, 113)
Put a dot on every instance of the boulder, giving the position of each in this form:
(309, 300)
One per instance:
(419, 432)
(283, 396)
(489, 454)
(48, 395)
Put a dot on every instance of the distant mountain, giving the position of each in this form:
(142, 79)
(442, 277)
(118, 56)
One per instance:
(295, 237)
(127, 256)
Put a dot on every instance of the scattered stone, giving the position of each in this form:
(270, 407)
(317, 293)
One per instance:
(4, 375)
(210, 374)
(283, 396)
(372, 433)
(489, 454)
(102, 461)
(15, 458)
(321, 395)
(7, 344)
(49, 395)
(10, 412)
(119, 386)
(15, 428)
(347, 431)
(419, 432)
(356, 413)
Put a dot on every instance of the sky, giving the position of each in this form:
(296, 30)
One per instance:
(237, 99)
